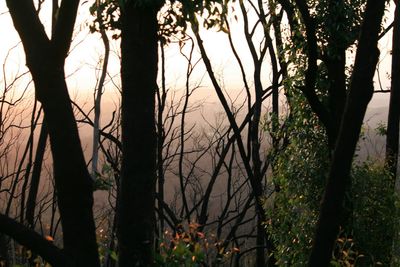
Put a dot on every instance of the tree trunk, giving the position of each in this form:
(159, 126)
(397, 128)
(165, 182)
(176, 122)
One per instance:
(36, 242)
(392, 137)
(136, 218)
(36, 172)
(45, 59)
(361, 90)
(98, 94)
(73, 182)
(392, 141)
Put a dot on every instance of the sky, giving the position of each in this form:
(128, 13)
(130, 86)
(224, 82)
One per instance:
(83, 63)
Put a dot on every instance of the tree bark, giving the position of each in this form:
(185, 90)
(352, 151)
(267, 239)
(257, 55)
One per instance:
(99, 93)
(392, 137)
(392, 141)
(45, 59)
(136, 218)
(73, 182)
(33, 240)
(35, 178)
(361, 90)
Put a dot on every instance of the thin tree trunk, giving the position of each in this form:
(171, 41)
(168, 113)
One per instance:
(161, 101)
(392, 138)
(35, 179)
(98, 95)
(392, 141)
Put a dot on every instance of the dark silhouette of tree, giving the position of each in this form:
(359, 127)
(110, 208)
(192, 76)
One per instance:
(329, 32)
(392, 135)
(359, 95)
(392, 141)
(14, 168)
(45, 59)
(35, 241)
(136, 198)
(236, 145)
(255, 163)
(99, 90)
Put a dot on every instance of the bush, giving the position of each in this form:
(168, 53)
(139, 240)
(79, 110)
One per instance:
(374, 213)
(191, 248)
(300, 173)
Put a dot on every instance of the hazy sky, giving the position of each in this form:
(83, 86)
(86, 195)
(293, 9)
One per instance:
(88, 49)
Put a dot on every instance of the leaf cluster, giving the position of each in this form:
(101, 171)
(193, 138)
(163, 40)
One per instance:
(190, 247)
(300, 172)
(374, 212)
(173, 16)
(176, 15)
(337, 27)
(106, 16)
(105, 179)
(338, 24)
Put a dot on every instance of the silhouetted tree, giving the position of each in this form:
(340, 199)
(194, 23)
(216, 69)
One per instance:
(45, 59)
(359, 95)
(136, 198)
(392, 141)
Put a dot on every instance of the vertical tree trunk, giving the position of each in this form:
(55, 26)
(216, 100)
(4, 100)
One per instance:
(35, 178)
(73, 182)
(392, 141)
(361, 90)
(45, 59)
(392, 138)
(99, 93)
(161, 101)
(136, 218)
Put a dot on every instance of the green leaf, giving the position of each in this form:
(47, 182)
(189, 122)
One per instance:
(114, 255)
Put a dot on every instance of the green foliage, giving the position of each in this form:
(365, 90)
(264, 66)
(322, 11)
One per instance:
(190, 248)
(381, 129)
(106, 15)
(172, 23)
(183, 249)
(345, 252)
(374, 213)
(338, 21)
(337, 27)
(105, 179)
(173, 17)
(103, 242)
(300, 173)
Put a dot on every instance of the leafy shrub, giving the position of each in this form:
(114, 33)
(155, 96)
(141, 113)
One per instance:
(374, 213)
(300, 173)
(191, 248)
(345, 253)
